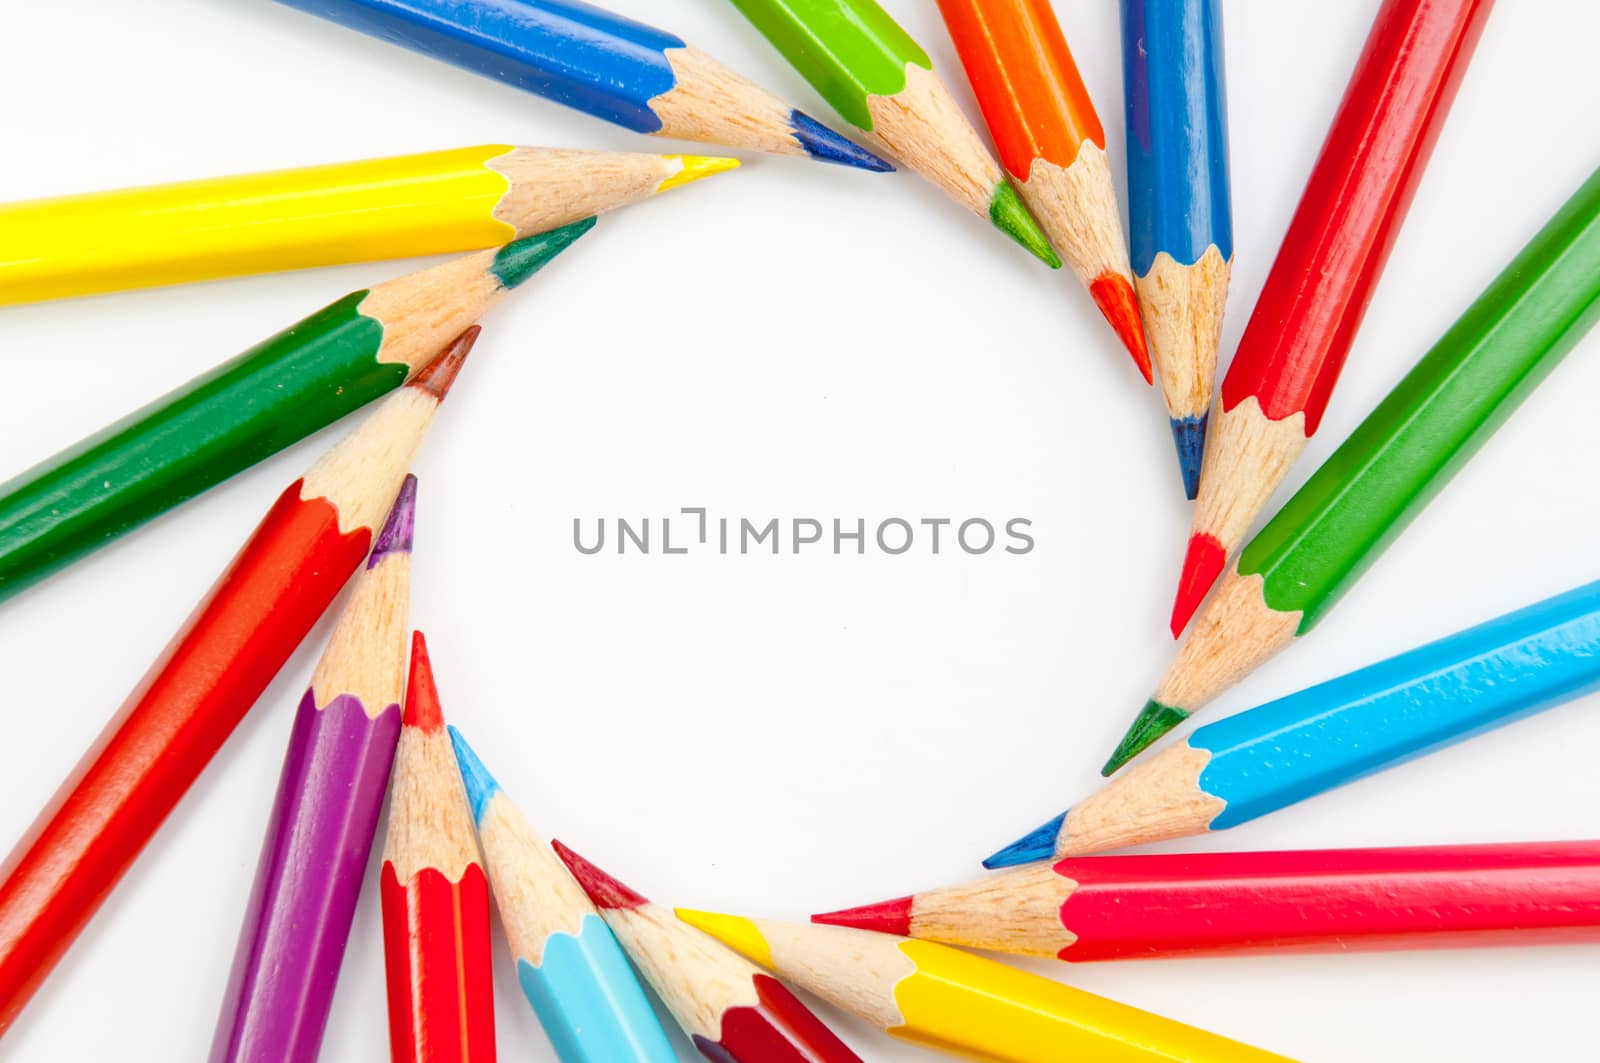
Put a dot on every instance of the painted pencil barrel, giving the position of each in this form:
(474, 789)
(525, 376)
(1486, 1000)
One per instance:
(166, 732)
(1516, 665)
(274, 394)
(304, 898)
(441, 988)
(563, 50)
(1333, 900)
(252, 223)
(589, 1001)
(1436, 419)
(1177, 123)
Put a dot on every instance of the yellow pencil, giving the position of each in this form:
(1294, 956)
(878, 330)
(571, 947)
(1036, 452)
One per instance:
(940, 997)
(462, 199)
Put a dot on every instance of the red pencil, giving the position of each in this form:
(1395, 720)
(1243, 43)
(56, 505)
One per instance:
(733, 1011)
(434, 894)
(1332, 900)
(210, 674)
(1316, 294)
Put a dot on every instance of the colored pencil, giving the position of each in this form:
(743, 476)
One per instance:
(732, 1011)
(1393, 464)
(1331, 900)
(1051, 143)
(613, 68)
(434, 895)
(426, 204)
(1310, 308)
(939, 997)
(1385, 714)
(320, 833)
(1180, 214)
(882, 82)
(246, 409)
(274, 590)
(569, 965)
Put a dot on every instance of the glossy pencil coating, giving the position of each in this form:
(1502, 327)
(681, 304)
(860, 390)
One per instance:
(1394, 463)
(1051, 143)
(271, 396)
(210, 674)
(434, 896)
(942, 998)
(1332, 900)
(1316, 294)
(1285, 751)
(590, 59)
(569, 965)
(882, 82)
(406, 205)
(1180, 213)
(732, 1011)
(319, 837)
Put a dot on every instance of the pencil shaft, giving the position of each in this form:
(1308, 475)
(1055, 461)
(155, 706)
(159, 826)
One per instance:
(166, 733)
(441, 992)
(304, 898)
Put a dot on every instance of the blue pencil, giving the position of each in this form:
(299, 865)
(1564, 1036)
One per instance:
(570, 967)
(1180, 217)
(613, 68)
(1285, 751)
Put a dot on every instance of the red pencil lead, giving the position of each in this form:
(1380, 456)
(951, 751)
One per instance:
(886, 917)
(1113, 294)
(422, 696)
(605, 891)
(1203, 562)
(436, 377)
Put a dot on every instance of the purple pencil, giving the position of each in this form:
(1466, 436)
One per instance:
(323, 818)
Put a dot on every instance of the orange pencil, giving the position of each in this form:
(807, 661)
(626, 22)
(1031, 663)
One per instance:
(1050, 140)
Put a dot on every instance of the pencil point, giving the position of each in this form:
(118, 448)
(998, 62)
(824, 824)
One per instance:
(1203, 562)
(1189, 436)
(1037, 844)
(1011, 217)
(521, 259)
(480, 785)
(1155, 720)
(886, 917)
(422, 697)
(395, 535)
(605, 891)
(436, 377)
(824, 145)
(736, 932)
(1113, 294)
(693, 167)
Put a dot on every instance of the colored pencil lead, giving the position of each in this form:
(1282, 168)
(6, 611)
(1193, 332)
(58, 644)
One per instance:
(613, 68)
(1037, 844)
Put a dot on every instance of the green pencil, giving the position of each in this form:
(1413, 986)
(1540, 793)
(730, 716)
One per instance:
(271, 396)
(882, 82)
(1392, 465)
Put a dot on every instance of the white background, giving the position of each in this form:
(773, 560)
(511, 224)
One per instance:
(776, 736)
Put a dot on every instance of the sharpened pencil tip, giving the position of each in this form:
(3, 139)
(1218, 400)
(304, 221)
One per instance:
(422, 697)
(480, 785)
(693, 167)
(886, 917)
(1154, 720)
(1189, 436)
(1203, 562)
(824, 145)
(1113, 294)
(396, 533)
(521, 259)
(438, 375)
(603, 890)
(1010, 215)
(1037, 844)
(738, 933)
